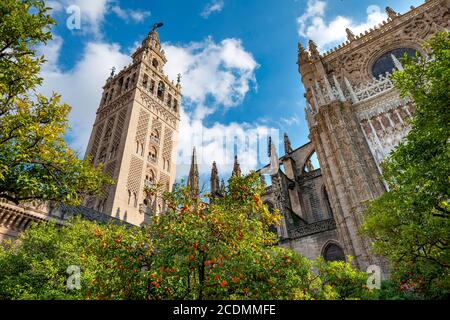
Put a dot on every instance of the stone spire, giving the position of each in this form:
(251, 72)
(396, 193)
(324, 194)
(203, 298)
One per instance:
(222, 188)
(236, 168)
(391, 13)
(214, 179)
(303, 55)
(315, 55)
(193, 179)
(287, 144)
(350, 34)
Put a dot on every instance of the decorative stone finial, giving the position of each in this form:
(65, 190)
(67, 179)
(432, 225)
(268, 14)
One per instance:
(350, 35)
(236, 168)
(391, 13)
(315, 55)
(287, 144)
(215, 184)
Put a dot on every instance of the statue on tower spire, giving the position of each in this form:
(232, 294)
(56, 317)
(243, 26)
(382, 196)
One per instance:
(156, 26)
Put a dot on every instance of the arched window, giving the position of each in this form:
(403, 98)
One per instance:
(152, 154)
(333, 252)
(137, 146)
(145, 81)
(149, 179)
(385, 63)
(175, 105)
(155, 63)
(142, 149)
(154, 136)
(152, 86)
(161, 90)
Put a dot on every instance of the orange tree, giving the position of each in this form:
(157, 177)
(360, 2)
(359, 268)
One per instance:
(112, 260)
(225, 250)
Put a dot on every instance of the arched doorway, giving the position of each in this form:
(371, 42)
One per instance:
(333, 252)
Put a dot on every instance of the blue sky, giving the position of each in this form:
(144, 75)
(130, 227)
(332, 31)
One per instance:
(246, 51)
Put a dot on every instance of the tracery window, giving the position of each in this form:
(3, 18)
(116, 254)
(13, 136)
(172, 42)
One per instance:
(385, 63)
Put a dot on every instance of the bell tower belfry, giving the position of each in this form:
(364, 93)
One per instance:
(135, 134)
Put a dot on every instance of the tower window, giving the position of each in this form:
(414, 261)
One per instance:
(169, 100)
(129, 196)
(152, 86)
(120, 84)
(149, 179)
(127, 83)
(105, 97)
(154, 136)
(145, 81)
(175, 105)
(112, 94)
(161, 90)
(155, 63)
(152, 155)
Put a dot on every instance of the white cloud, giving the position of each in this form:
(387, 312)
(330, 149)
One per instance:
(81, 86)
(130, 15)
(213, 7)
(326, 34)
(92, 12)
(217, 143)
(213, 74)
(292, 120)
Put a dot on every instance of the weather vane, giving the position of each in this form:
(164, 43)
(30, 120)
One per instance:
(156, 26)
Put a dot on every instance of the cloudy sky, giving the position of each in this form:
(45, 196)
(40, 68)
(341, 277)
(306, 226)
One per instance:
(237, 60)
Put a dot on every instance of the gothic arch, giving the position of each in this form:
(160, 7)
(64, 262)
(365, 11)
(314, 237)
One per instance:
(332, 251)
(308, 166)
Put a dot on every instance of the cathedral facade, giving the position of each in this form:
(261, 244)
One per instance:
(355, 117)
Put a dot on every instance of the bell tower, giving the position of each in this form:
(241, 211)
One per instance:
(135, 134)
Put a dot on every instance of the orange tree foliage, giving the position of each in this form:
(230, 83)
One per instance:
(225, 250)
(196, 250)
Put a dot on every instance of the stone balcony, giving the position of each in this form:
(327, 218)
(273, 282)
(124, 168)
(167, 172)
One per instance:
(312, 228)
